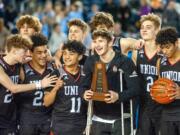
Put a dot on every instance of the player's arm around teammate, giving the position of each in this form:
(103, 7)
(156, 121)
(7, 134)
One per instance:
(16, 55)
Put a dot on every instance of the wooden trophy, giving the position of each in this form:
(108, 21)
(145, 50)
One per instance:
(99, 82)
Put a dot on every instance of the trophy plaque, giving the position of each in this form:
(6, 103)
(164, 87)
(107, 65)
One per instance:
(99, 82)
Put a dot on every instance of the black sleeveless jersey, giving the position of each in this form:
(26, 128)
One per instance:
(30, 103)
(171, 71)
(69, 106)
(7, 104)
(147, 70)
(116, 44)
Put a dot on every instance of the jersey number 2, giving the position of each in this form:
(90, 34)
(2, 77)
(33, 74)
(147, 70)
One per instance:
(149, 83)
(8, 98)
(38, 99)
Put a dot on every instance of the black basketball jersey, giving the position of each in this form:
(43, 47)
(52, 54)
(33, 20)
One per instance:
(30, 103)
(147, 70)
(116, 44)
(69, 106)
(7, 104)
(171, 71)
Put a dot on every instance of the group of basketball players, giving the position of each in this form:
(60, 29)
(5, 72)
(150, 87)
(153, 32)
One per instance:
(40, 94)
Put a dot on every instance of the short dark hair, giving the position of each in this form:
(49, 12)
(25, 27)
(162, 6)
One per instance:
(38, 39)
(74, 46)
(166, 35)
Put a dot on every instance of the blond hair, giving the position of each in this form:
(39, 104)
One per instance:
(18, 41)
(153, 18)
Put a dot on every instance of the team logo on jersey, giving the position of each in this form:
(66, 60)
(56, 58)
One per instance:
(115, 69)
(65, 77)
(141, 52)
(134, 74)
(29, 71)
(164, 61)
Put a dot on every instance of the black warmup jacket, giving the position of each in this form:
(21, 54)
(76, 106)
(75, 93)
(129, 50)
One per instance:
(131, 87)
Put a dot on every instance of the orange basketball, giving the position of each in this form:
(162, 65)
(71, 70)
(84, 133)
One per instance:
(161, 89)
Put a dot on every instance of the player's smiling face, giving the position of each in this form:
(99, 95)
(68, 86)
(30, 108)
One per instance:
(70, 58)
(148, 30)
(39, 55)
(100, 45)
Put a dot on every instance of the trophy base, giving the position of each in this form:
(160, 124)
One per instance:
(98, 96)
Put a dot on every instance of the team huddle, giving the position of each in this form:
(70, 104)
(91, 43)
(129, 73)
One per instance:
(42, 94)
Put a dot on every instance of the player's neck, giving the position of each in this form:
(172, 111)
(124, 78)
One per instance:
(37, 67)
(150, 46)
(175, 57)
(108, 56)
(72, 69)
(9, 59)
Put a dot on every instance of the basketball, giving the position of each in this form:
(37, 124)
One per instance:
(161, 89)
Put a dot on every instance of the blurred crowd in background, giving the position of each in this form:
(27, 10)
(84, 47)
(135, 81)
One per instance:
(54, 15)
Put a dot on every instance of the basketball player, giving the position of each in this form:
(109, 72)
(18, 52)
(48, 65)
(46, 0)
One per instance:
(16, 46)
(34, 116)
(169, 67)
(27, 25)
(69, 116)
(103, 20)
(145, 60)
(107, 115)
(77, 31)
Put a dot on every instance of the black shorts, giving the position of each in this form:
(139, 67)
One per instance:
(170, 127)
(62, 128)
(148, 125)
(35, 129)
(7, 131)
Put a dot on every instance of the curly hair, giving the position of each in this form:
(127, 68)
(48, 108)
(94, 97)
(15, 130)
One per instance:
(151, 17)
(167, 35)
(74, 46)
(78, 23)
(18, 41)
(101, 18)
(102, 33)
(31, 21)
(38, 39)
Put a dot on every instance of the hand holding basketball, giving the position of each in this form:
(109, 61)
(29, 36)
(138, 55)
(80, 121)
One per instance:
(163, 91)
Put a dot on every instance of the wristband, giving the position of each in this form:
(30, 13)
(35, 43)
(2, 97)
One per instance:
(38, 85)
